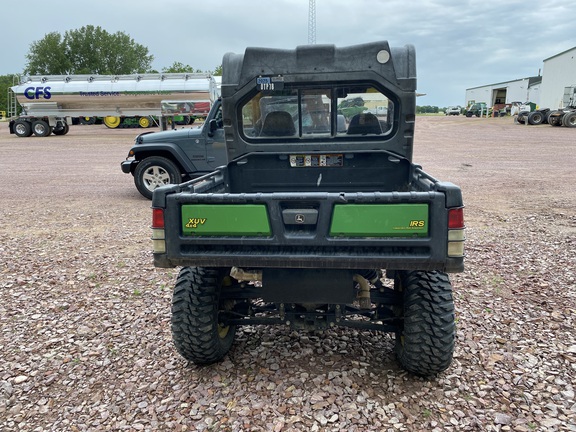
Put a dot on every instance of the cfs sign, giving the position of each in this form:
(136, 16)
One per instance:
(33, 93)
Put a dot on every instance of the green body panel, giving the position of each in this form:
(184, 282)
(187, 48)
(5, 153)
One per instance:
(380, 220)
(225, 220)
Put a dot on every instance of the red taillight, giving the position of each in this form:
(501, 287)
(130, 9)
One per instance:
(157, 218)
(456, 218)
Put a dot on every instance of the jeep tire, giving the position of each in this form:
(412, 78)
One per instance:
(425, 339)
(153, 172)
(197, 332)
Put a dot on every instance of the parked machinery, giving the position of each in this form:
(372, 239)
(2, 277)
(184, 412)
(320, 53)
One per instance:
(534, 117)
(561, 117)
(565, 116)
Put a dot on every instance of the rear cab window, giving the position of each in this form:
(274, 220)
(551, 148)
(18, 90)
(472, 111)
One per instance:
(293, 113)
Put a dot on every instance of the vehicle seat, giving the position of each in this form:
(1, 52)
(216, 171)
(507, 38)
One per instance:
(278, 123)
(363, 124)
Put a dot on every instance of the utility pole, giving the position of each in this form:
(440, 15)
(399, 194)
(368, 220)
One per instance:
(312, 22)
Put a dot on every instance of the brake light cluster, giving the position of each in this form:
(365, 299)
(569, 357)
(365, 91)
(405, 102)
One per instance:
(158, 233)
(456, 232)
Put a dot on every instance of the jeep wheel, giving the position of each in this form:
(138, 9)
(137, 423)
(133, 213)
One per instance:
(425, 340)
(153, 172)
(197, 332)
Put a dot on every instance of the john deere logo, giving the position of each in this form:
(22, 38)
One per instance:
(194, 222)
(300, 218)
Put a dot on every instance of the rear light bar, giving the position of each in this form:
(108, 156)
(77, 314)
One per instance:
(158, 233)
(456, 232)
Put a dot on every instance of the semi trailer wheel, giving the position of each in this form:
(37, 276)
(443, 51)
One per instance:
(197, 332)
(569, 119)
(22, 129)
(535, 118)
(41, 128)
(425, 339)
(153, 172)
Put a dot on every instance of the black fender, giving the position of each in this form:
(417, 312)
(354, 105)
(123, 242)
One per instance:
(167, 150)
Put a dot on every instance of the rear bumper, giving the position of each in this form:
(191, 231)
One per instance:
(343, 259)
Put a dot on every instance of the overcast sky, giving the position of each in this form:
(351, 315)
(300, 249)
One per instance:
(459, 44)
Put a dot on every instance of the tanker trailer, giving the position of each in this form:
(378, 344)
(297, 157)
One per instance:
(50, 102)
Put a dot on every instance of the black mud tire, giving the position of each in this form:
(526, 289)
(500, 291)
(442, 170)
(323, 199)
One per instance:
(197, 332)
(153, 172)
(425, 339)
(535, 118)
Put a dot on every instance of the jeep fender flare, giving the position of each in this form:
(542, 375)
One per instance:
(167, 150)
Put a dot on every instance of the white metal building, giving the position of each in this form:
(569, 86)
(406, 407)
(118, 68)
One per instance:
(546, 91)
(520, 90)
(559, 72)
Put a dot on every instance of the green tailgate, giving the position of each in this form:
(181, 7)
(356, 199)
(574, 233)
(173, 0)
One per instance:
(225, 220)
(380, 220)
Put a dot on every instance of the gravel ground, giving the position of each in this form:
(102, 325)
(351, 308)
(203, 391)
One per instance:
(85, 338)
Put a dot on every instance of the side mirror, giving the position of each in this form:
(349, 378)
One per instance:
(212, 126)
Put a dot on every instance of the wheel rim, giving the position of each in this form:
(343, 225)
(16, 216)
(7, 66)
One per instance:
(112, 122)
(39, 129)
(144, 122)
(571, 120)
(155, 176)
(20, 129)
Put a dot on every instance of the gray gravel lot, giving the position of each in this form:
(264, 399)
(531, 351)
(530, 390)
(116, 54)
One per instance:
(85, 338)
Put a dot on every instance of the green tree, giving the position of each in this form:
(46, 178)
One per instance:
(48, 56)
(88, 50)
(6, 81)
(218, 71)
(178, 67)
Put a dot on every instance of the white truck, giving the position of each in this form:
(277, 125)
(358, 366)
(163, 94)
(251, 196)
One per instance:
(49, 103)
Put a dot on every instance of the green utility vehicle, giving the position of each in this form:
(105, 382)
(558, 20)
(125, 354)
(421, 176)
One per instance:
(316, 221)
(478, 109)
